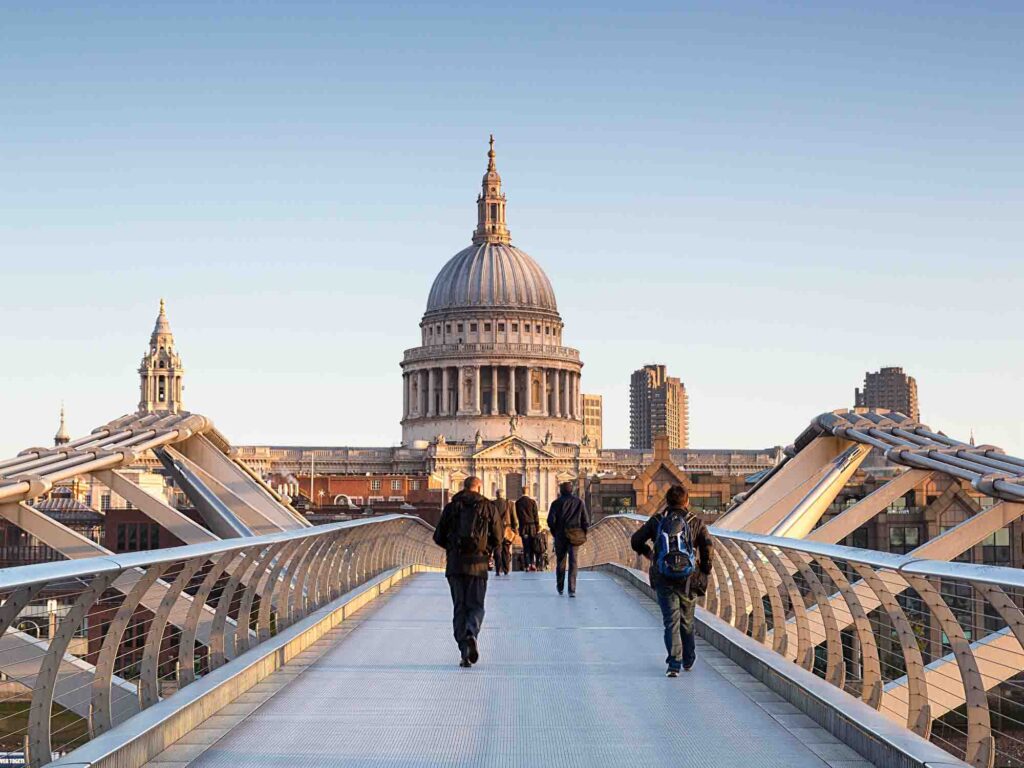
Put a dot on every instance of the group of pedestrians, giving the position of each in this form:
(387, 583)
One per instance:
(518, 519)
(473, 529)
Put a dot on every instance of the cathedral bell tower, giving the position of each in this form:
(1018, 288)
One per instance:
(161, 372)
(63, 437)
(490, 207)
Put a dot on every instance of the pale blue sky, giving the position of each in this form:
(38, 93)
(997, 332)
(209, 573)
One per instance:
(769, 200)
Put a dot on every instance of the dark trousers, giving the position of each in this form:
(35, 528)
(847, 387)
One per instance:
(677, 615)
(503, 557)
(529, 556)
(564, 550)
(468, 593)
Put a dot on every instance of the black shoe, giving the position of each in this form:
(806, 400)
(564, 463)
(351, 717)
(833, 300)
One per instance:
(687, 669)
(465, 663)
(561, 591)
(472, 653)
(671, 672)
(572, 594)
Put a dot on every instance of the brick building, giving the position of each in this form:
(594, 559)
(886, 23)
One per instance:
(343, 496)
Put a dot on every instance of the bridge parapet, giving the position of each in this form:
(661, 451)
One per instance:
(931, 645)
(108, 653)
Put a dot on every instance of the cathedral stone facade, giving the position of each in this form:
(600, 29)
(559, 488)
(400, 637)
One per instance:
(491, 360)
(491, 390)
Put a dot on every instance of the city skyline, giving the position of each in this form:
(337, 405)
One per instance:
(162, 319)
(762, 214)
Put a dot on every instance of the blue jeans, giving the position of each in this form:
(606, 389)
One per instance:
(677, 615)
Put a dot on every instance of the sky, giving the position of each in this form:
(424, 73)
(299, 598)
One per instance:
(769, 198)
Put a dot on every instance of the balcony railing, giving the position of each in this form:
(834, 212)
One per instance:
(474, 350)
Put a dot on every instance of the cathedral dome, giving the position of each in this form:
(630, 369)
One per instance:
(492, 275)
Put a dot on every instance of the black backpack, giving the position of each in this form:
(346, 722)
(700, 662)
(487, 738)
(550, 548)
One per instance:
(470, 531)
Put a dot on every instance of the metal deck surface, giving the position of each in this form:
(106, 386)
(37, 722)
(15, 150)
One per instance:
(560, 682)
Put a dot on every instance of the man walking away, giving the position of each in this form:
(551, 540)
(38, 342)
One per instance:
(507, 515)
(469, 530)
(529, 528)
(568, 521)
(680, 563)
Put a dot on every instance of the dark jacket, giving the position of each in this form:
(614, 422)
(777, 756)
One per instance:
(506, 511)
(703, 544)
(444, 535)
(567, 511)
(528, 516)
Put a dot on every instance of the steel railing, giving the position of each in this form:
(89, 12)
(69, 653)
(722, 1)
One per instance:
(85, 644)
(933, 645)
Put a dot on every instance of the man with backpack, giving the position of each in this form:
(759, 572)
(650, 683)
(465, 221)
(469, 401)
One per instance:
(503, 554)
(469, 530)
(529, 526)
(568, 521)
(680, 564)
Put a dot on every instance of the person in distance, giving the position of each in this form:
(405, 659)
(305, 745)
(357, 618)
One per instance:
(529, 527)
(507, 514)
(568, 521)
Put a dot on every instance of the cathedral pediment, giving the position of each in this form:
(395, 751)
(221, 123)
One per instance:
(513, 447)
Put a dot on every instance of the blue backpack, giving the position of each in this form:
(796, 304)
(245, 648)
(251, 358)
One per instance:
(673, 549)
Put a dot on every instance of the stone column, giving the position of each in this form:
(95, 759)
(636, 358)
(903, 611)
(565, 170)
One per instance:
(405, 395)
(431, 393)
(494, 389)
(446, 404)
(544, 391)
(423, 393)
(460, 390)
(477, 376)
(512, 404)
(565, 394)
(557, 394)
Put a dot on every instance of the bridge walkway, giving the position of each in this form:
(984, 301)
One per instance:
(560, 682)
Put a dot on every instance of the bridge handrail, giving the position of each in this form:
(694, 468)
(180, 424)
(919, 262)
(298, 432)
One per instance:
(128, 630)
(914, 638)
(44, 573)
(918, 566)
